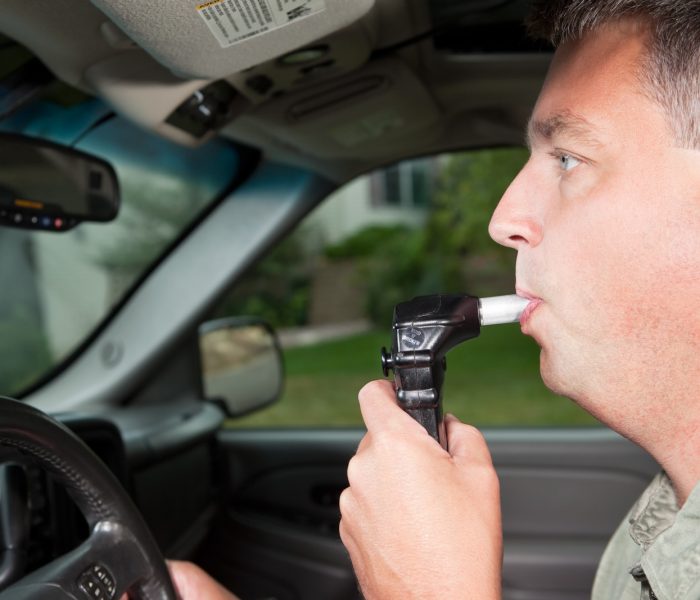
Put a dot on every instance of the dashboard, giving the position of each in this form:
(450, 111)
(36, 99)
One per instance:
(164, 456)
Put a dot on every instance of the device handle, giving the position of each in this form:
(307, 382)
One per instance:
(424, 329)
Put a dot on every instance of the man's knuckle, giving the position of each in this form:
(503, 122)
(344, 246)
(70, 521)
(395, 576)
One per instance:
(387, 440)
(490, 476)
(342, 530)
(345, 502)
(477, 443)
(354, 471)
(487, 479)
(188, 569)
(474, 434)
(371, 389)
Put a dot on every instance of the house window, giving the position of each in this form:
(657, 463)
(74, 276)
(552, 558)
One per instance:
(408, 184)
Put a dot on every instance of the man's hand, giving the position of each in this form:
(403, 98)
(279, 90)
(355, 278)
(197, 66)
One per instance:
(194, 584)
(419, 522)
(191, 583)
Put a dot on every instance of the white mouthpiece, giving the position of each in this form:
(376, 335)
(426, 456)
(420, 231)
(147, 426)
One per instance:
(501, 309)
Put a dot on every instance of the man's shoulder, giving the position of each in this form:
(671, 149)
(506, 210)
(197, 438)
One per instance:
(612, 578)
(661, 539)
(672, 561)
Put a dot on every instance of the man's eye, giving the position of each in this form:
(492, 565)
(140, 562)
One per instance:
(567, 162)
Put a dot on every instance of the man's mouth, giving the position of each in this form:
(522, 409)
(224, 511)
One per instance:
(530, 308)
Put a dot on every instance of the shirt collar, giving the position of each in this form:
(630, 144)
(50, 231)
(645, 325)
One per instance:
(654, 512)
(670, 540)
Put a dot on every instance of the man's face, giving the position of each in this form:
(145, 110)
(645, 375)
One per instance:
(605, 217)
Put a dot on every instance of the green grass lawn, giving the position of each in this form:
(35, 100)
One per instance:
(492, 380)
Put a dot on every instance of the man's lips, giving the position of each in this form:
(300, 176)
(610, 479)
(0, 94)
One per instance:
(531, 307)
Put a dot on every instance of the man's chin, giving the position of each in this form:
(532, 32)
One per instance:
(553, 378)
(563, 383)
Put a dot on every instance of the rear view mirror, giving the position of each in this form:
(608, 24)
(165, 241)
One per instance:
(241, 364)
(50, 187)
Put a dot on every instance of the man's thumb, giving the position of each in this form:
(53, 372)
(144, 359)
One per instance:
(466, 441)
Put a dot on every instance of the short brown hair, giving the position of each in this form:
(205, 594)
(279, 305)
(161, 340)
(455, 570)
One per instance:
(670, 72)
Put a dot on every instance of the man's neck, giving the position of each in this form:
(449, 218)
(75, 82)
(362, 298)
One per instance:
(679, 455)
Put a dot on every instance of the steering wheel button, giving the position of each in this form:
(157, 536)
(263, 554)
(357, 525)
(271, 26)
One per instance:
(97, 583)
(90, 588)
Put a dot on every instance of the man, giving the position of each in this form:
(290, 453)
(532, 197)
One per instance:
(605, 217)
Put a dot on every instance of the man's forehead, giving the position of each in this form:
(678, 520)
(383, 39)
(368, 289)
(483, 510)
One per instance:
(562, 123)
(590, 83)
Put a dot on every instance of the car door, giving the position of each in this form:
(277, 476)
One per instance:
(417, 227)
(563, 494)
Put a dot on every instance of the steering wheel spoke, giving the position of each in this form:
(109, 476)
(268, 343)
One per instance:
(107, 564)
(103, 567)
(119, 555)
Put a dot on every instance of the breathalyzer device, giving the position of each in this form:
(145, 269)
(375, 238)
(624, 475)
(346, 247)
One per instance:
(424, 330)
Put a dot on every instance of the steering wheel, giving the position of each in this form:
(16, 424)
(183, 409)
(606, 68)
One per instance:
(120, 553)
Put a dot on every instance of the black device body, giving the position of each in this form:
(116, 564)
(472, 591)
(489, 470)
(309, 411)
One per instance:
(424, 330)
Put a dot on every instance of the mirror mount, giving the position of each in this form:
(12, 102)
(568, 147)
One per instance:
(22, 85)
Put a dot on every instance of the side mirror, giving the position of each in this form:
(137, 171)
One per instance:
(53, 188)
(241, 363)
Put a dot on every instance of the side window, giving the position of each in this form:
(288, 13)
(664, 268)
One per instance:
(419, 227)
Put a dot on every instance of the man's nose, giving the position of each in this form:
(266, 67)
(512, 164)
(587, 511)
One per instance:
(515, 222)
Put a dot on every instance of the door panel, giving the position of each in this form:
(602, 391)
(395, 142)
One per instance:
(563, 494)
(278, 537)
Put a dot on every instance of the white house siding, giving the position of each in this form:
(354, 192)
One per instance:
(351, 209)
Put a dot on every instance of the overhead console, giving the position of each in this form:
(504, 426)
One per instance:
(278, 74)
(210, 39)
(209, 61)
(191, 111)
(361, 114)
(184, 68)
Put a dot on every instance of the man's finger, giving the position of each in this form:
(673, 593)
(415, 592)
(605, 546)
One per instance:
(380, 411)
(192, 583)
(466, 441)
(364, 442)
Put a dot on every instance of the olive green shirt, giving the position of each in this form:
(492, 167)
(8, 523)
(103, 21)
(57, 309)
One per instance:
(655, 552)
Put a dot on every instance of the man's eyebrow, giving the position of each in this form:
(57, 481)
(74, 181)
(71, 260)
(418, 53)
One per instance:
(563, 123)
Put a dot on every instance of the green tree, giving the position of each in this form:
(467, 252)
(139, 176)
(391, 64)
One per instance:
(468, 189)
(395, 262)
(278, 289)
(441, 256)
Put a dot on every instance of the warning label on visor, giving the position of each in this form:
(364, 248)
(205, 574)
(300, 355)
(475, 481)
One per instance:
(232, 21)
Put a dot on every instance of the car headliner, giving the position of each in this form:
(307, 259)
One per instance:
(408, 78)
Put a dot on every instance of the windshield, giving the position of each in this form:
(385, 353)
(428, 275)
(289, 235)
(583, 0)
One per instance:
(59, 287)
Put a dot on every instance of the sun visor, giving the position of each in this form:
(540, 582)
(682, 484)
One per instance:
(215, 38)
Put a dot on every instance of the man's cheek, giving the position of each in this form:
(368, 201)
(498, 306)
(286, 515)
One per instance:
(595, 296)
(580, 185)
(677, 248)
